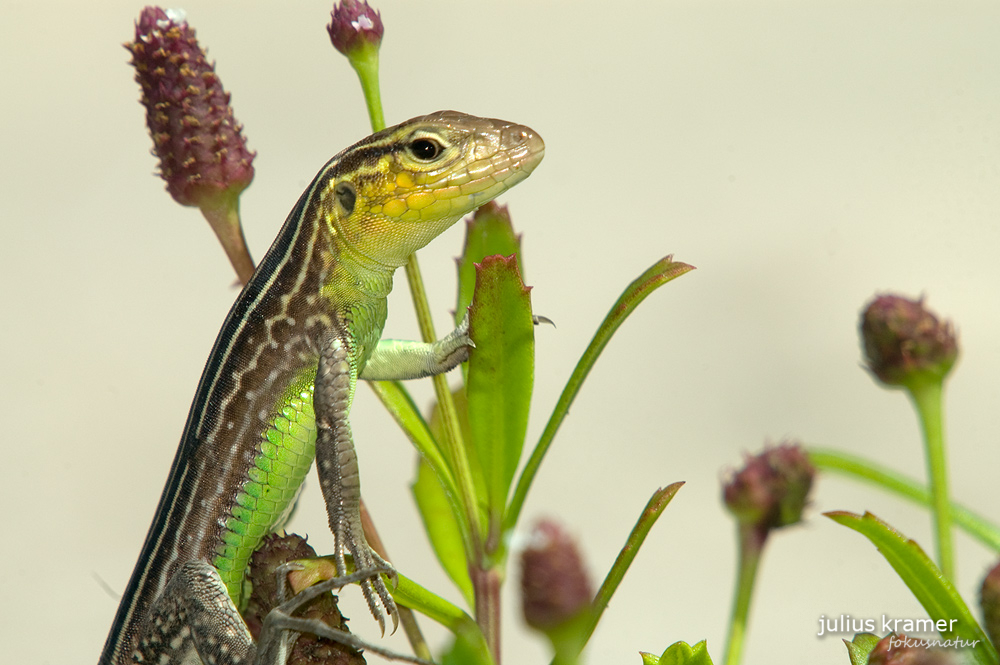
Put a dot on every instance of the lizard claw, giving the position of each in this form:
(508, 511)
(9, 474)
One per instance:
(368, 562)
(378, 597)
(454, 348)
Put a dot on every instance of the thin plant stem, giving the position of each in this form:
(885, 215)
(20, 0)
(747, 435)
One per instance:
(225, 222)
(927, 399)
(367, 69)
(486, 583)
(454, 446)
(751, 547)
(487, 594)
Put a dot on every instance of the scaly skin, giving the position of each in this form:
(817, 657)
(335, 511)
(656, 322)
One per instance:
(278, 385)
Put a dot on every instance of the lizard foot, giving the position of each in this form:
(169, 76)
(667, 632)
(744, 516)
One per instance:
(369, 566)
(453, 349)
(280, 620)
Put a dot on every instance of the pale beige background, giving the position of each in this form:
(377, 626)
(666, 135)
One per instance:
(802, 155)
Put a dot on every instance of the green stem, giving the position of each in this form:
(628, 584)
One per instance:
(454, 444)
(400, 405)
(486, 594)
(927, 399)
(486, 584)
(364, 60)
(973, 523)
(406, 619)
(751, 549)
(365, 63)
(411, 594)
(224, 219)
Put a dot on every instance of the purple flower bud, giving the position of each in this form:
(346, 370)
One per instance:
(899, 649)
(203, 155)
(555, 587)
(354, 25)
(989, 600)
(771, 490)
(904, 342)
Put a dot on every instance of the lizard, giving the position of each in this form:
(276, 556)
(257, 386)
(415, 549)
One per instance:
(277, 388)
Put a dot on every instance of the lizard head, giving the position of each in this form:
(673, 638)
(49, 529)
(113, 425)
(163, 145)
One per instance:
(392, 193)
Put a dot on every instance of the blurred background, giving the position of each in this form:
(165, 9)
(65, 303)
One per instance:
(804, 156)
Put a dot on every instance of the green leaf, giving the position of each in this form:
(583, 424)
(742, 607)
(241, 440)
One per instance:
(487, 233)
(501, 374)
(649, 659)
(837, 461)
(474, 648)
(654, 508)
(860, 647)
(939, 598)
(463, 652)
(679, 653)
(658, 274)
(442, 528)
(400, 405)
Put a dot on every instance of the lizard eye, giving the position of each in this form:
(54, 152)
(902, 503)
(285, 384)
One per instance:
(425, 149)
(346, 196)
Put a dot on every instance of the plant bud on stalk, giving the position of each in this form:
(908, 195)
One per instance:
(906, 346)
(203, 155)
(904, 342)
(989, 601)
(356, 31)
(770, 491)
(555, 587)
(355, 25)
(893, 650)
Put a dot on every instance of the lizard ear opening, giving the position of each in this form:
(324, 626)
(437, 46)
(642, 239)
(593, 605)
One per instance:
(346, 196)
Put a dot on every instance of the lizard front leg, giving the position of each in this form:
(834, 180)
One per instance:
(397, 360)
(337, 466)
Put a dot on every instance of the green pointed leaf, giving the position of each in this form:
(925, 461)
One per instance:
(939, 598)
(860, 647)
(442, 528)
(679, 653)
(649, 659)
(501, 374)
(474, 648)
(837, 461)
(654, 508)
(463, 652)
(658, 274)
(488, 232)
(400, 405)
